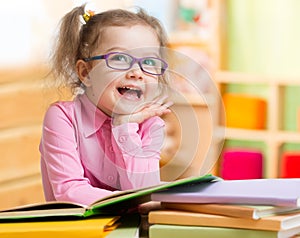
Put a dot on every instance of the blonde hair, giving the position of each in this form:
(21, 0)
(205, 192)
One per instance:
(77, 40)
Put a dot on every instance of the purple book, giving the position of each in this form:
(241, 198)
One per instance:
(274, 192)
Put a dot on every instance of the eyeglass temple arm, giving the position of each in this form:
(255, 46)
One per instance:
(97, 57)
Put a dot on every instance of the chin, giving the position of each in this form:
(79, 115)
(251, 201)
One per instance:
(127, 108)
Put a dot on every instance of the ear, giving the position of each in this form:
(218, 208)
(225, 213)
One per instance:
(83, 69)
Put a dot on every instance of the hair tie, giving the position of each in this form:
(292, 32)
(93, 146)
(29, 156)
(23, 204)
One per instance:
(87, 15)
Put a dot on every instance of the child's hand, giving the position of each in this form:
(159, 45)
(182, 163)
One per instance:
(155, 108)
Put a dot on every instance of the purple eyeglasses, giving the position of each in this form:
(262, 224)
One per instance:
(123, 61)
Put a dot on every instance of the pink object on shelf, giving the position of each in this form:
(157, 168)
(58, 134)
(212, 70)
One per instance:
(241, 164)
(290, 165)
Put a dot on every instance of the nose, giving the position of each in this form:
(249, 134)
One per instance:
(135, 72)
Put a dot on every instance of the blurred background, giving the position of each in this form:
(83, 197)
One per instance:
(250, 48)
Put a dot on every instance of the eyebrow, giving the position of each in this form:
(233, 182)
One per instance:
(115, 48)
(128, 51)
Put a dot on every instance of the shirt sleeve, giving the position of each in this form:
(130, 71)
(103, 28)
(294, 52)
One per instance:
(62, 170)
(139, 147)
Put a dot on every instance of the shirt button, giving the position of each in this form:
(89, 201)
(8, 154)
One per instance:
(111, 148)
(110, 178)
(122, 139)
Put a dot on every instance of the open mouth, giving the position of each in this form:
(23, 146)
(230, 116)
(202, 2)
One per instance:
(130, 92)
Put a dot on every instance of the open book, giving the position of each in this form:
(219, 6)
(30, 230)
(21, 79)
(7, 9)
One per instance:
(115, 204)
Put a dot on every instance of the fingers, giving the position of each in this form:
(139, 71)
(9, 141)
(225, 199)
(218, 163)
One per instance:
(151, 111)
(160, 101)
(155, 108)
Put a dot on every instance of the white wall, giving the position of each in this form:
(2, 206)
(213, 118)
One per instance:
(27, 27)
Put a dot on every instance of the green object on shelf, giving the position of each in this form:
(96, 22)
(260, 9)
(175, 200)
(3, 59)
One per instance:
(257, 145)
(187, 14)
(291, 106)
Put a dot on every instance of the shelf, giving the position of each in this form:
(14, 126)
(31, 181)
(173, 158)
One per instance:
(274, 89)
(262, 135)
(187, 38)
(246, 78)
(244, 134)
(194, 99)
(289, 137)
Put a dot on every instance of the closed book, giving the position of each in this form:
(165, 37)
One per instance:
(233, 210)
(128, 227)
(116, 204)
(178, 231)
(96, 227)
(274, 192)
(271, 223)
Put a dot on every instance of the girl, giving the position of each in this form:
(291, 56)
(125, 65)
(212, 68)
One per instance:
(109, 137)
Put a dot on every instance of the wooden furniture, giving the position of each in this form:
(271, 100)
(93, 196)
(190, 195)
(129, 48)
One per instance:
(273, 136)
(190, 148)
(24, 99)
(276, 73)
(195, 146)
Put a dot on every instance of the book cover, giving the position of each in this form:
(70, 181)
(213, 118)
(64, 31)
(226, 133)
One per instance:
(117, 203)
(79, 228)
(273, 192)
(271, 223)
(128, 228)
(234, 210)
(178, 231)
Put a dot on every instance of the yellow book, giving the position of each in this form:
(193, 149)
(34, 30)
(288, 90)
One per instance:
(96, 227)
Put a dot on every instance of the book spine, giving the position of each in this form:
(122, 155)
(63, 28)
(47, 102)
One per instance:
(158, 231)
(202, 198)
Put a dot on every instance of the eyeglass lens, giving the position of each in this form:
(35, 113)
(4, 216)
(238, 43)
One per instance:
(122, 61)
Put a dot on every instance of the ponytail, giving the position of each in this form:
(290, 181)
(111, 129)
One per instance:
(65, 52)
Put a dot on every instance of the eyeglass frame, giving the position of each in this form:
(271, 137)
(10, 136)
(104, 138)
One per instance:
(134, 60)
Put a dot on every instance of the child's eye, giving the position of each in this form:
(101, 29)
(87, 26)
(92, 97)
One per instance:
(149, 62)
(121, 58)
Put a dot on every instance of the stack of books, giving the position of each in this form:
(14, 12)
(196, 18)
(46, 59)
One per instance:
(204, 206)
(112, 216)
(228, 208)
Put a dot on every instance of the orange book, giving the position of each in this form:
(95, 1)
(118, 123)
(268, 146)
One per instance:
(244, 111)
(232, 210)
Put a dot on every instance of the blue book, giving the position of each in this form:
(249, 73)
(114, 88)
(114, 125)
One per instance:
(274, 192)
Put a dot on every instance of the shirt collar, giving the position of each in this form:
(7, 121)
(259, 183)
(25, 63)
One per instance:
(92, 117)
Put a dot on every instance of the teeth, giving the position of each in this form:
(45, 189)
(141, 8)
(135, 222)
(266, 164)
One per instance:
(125, 89)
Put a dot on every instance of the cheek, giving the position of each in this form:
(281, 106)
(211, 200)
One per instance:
(102, 81)
(152, 90)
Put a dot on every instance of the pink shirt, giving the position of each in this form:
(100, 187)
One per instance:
(84, 157)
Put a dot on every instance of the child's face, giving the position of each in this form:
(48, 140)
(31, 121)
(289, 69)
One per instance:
(126, 91)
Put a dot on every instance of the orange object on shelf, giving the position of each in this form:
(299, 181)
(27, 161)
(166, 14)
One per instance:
(244, 111)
